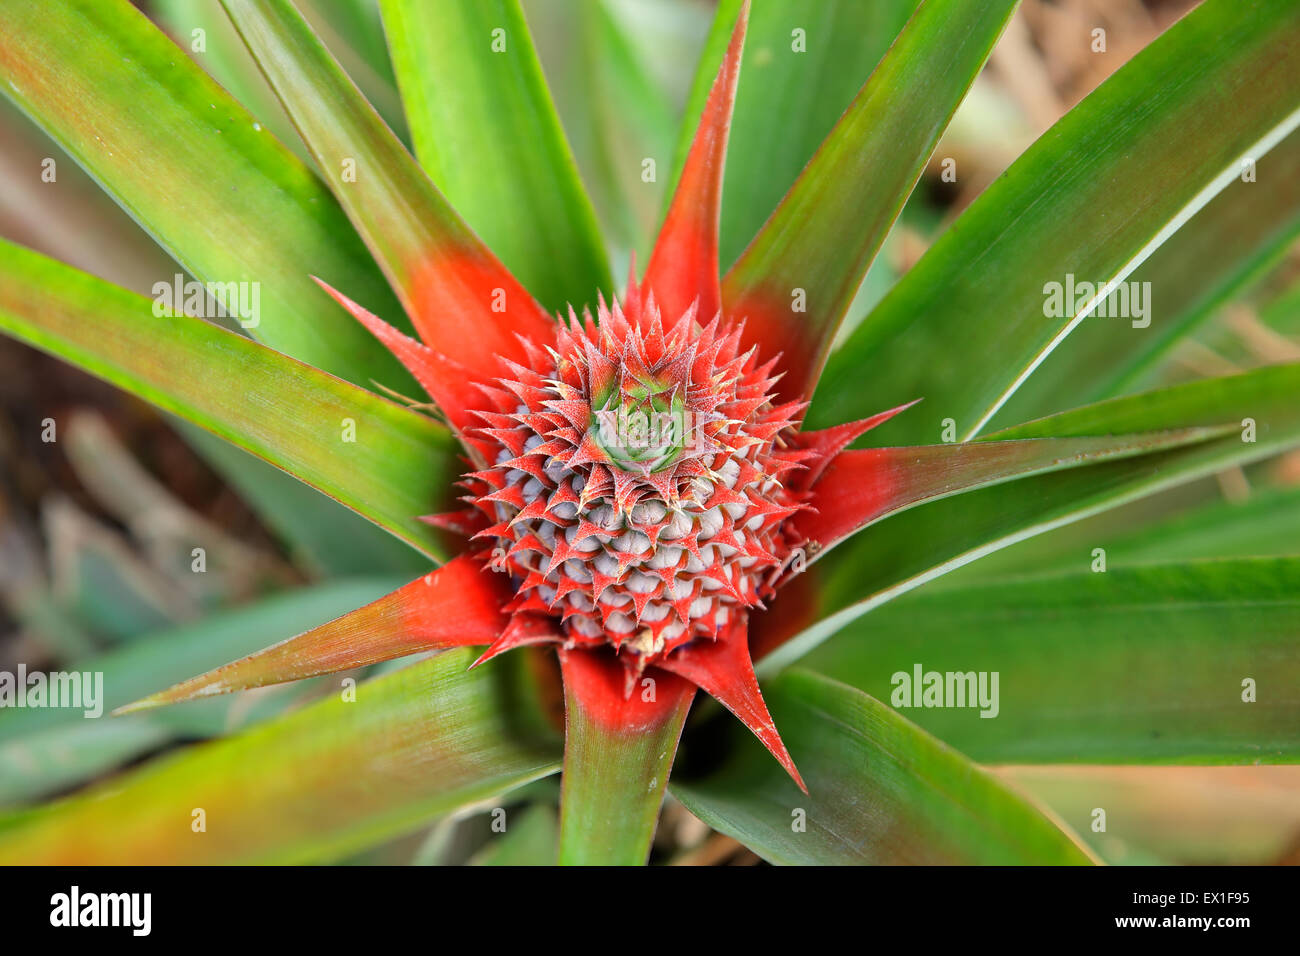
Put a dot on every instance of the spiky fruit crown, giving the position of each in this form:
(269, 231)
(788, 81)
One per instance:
(635, 482)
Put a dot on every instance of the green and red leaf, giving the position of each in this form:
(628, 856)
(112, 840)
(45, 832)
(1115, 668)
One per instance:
(329, 779)
(619, 747)
(683, 268)
(880, 790)
(457, 605)
(459, 296)
(795, 281)
(398, 465)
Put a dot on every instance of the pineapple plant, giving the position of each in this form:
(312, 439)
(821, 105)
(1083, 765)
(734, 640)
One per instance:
(851, 519)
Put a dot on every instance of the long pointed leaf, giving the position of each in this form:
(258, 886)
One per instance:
(880, 790)
(861, 487)
(795, 281)
(386, 462)
(487, 133)
(1085, 662)
(1094, 197)
(197, 171)
(460, 298)
(683, 268)
(329, 779)
(457, 605)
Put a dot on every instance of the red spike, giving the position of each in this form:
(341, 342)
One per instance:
(523, 630)
(458, 604)
(532, 511)
(576, 412)
(723, 669)
(445, 379)
(563, 585)
(587, 529)
(529, 464)
(588, 452)
(684, 265)
(512, 495)
(600, 582)
(829, 442)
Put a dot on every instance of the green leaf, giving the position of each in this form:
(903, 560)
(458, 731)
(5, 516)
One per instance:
(43, 750)
(1094, 197)
(880, 790)
(225, 58)
(322, 535)
(460, 298)
(796, 280)
(605, 61)
(317, 784)
(1200, 816)
(486, 132)
(925, 543)
(788, 100)
(198, 172)
(1084, 662)
(1237, 237)
(353, 31)
(530, 839)
(1267, 524)
(398, 465)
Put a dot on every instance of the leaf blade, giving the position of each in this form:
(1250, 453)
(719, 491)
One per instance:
(417, 743)
(470, 108)
(1083, 660)
(398, 467)
(816, 242)
(224, 198)
(983, 278)
(859, 488)
(881, 790)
